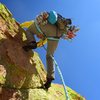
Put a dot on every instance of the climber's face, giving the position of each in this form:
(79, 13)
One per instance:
(68, 22)
(62, 23)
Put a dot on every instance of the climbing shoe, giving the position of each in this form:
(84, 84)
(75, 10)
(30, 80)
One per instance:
(48, 83)
(30, 45)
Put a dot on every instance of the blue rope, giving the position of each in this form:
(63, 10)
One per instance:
(61, 76)
(62, 79)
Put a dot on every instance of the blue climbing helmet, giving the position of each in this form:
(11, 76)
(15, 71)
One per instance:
(57, 19)
(52, 19)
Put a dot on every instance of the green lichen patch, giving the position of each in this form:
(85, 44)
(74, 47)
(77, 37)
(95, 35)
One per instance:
(2, 80)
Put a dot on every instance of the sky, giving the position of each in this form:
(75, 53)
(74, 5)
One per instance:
(79, 60)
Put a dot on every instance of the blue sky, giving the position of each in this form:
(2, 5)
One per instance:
(79, 60)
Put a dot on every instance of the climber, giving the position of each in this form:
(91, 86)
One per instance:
(52, 26)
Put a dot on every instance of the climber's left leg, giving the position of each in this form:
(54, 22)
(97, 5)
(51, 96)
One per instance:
(31, 41)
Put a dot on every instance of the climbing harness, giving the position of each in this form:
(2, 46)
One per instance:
(61, 76)
(40, 31)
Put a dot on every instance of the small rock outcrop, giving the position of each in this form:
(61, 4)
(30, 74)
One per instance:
(22, 73)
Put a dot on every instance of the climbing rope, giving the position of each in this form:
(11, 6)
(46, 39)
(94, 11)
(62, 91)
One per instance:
(62, 79)
(61, 76)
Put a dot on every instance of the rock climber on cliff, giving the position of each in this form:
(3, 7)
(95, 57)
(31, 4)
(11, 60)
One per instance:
(52, 26)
